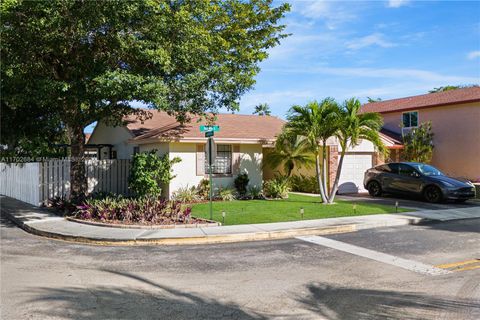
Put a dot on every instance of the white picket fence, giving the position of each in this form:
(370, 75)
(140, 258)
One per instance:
(36, 182)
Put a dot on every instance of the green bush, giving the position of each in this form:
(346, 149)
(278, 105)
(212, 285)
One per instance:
(277, 188)
(186, 195)
(204, 189)
(149, 172)
(146, 210)
(255, 192)
(241, 183)
(226, 194)
(302, 183)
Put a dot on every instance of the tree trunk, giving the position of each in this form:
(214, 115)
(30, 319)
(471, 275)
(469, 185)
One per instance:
(78, 178)
(337, 176)
(324, 171)
(319, 179)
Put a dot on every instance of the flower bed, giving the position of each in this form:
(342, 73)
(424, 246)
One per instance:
(120, 210)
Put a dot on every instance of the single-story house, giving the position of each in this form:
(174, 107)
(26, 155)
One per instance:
(240, 145)
(455, 118)
(242, 142)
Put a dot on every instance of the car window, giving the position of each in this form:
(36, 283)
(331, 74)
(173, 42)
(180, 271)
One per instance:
(407, 171)
(383, 168)
(428, 170)
(393, 168)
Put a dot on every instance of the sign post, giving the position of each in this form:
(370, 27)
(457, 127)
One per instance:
(209, 133)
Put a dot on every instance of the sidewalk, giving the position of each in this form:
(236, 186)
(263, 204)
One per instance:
(43, 223)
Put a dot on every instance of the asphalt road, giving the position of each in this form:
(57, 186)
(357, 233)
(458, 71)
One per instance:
(287, 279)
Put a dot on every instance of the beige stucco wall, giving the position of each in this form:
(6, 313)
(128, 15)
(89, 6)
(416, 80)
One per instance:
(118, 136)
(186, 173)
(162, 148)
(456, 140)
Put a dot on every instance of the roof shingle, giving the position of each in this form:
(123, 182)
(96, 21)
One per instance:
(437, 99)
(232, 126)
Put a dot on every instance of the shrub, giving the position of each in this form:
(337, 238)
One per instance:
(63, 205)
(241, 183)
(419, 143)
(302, 183)
(226, 194)
(277, 188)
(146, 210)
(255, 192)
(186, 195)
(149, 172)
(204, 189)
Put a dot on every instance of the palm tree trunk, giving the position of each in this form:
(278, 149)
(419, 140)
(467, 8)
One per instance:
(324, 172)
(319, 179)
(337, 176)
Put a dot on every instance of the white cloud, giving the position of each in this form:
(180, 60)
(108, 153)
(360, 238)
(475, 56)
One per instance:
(397, 3)
(377, 39)
(473, 55)
(331, 13)
(386, 73)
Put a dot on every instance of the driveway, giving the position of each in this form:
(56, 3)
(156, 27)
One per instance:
(409, 202)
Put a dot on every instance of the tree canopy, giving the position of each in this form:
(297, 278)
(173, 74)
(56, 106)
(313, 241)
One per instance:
(450, 87)
(82, 61)
(419, 143)
(262, 109)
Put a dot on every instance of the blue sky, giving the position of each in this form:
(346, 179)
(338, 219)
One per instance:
(384, 49)
(378, 49)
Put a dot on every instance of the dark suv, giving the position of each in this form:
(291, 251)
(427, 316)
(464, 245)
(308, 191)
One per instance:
(416, 178)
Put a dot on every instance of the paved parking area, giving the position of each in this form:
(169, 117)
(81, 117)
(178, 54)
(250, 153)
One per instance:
(284, 279)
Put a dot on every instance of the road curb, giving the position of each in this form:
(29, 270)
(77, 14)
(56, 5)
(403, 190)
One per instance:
(208, 239)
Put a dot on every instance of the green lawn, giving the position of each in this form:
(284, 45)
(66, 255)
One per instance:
(263, 211)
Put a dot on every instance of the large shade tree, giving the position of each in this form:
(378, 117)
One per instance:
(87, 60)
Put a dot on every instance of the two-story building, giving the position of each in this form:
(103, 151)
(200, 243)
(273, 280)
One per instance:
(455, 118)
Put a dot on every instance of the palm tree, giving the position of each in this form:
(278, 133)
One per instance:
(316, 122)
(262, 109)
(291, 151)
(354, 127)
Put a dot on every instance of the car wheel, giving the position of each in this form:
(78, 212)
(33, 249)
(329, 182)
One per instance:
(432, 194)
(374, 189)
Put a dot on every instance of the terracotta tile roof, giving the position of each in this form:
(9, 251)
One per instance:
(390, 138)
(457, 96)
(232, 126)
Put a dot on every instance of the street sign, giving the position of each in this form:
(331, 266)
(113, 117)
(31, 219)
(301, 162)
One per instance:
(211, 151)
(209, 128)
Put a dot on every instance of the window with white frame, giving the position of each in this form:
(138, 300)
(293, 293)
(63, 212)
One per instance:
(410, 119)
(223, 161)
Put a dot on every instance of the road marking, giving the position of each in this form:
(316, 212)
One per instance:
(467, 268)
(457, 264)
(411, 265)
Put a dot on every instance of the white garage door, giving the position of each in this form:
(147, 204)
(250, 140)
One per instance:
(353, 170)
